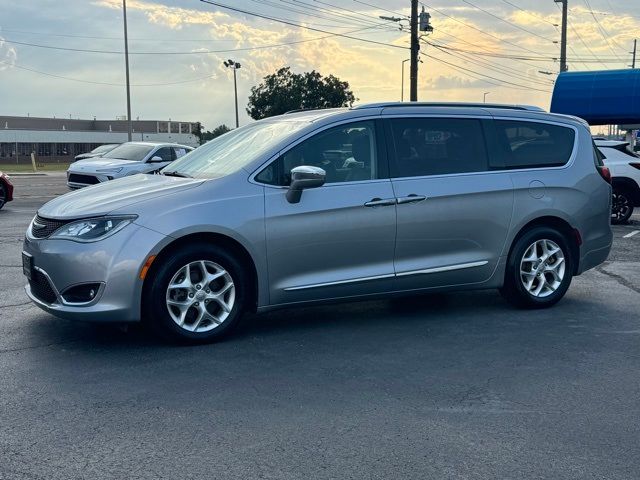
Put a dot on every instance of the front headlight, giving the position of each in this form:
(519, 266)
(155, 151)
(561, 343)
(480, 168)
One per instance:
(108, 170)
(93, 229)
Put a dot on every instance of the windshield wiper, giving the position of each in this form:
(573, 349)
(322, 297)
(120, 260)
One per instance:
(176, 174)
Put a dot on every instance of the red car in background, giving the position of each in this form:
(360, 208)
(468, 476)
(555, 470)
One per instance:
(6, 189)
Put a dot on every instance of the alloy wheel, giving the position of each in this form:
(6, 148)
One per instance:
(542, 268)
(620, 208)
(200, 296)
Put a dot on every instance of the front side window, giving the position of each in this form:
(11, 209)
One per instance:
(533, 144)
(165, 153)
(346, 153)
(437, 146)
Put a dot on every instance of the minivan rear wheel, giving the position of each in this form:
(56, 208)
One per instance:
(197, 294)
(539, 269)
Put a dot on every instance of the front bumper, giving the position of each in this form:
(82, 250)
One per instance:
(113, 263)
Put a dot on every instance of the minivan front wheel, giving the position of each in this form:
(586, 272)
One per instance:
(539, 269)
(197, 294)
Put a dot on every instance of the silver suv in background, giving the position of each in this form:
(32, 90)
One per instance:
(96, 152)
(327, 205)
(124, 160)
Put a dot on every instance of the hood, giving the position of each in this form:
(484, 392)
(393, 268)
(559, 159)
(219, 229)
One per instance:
(90, 164)
(106, 197)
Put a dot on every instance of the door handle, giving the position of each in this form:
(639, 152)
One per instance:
(379, 202)
(413, 198)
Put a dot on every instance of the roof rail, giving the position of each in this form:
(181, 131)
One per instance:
(448, 105)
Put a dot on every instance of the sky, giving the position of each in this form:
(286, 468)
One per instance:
(177, 49)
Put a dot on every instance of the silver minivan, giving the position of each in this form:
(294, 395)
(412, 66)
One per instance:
(327, 205)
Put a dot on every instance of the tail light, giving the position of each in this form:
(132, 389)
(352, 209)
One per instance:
(605, 173)
(635, 165)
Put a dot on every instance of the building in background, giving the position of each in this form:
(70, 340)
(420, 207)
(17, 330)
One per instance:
(61, 139)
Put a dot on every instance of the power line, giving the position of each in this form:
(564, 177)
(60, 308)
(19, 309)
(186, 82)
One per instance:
(520, 47)
(62, 77)
(288, 8)
(377, 7)
(603, 32)
(203, 52)
(518, 57)
(530, 13)
(503, 69)
(294, 24)
(503, 83)
(507, 21)
(575, 32)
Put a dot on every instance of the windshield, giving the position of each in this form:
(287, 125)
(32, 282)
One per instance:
(129, 151)
(234, 150)
(103, 148)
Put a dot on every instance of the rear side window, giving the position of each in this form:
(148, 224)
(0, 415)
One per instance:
(437, 146)
(533, 144)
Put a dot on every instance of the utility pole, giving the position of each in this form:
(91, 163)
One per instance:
(415, 49)
(126, 62)
(235, 66)
(563, 39)
(635, 44)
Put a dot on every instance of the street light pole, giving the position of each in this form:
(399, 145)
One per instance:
(235, 66)
(126, 62)
(402, 89)
(484, 98)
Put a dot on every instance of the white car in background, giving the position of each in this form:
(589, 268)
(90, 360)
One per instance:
(624, 166)
(124, 160)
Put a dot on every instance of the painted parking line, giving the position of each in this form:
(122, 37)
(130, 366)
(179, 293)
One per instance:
(629, 235)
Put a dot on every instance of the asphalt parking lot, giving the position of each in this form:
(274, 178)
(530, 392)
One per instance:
(437, 386)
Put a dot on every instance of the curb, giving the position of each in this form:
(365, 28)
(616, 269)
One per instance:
(20, 174)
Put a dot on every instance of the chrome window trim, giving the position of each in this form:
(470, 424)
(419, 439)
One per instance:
(447, 268)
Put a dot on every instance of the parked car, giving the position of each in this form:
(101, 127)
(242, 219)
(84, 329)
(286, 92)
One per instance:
(327, 205)
(6, 189)
(624, 165)
(96, 152)
(124, 160)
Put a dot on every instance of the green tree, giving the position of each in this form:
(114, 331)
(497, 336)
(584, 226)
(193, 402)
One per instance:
(216, 132)
(284, 91)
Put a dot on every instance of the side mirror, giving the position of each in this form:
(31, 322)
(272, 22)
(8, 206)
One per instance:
(304, 177)
(156, 158)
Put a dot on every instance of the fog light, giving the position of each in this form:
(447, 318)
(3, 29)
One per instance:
(81, 293)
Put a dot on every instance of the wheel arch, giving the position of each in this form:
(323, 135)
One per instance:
(564, 227)
(629, 185)
(224, 241)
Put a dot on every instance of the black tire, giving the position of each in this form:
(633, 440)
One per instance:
(3, 195)
(622, 206)
(514, 289)
(156, 311)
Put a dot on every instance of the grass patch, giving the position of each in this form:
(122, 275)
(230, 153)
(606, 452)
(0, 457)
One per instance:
(27, 168)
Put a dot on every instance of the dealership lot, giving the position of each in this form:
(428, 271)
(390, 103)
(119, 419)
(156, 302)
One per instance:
(457, 385)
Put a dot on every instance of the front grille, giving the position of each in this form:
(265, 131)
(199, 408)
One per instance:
(86, 179)
(41, 288)
(43, 227)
